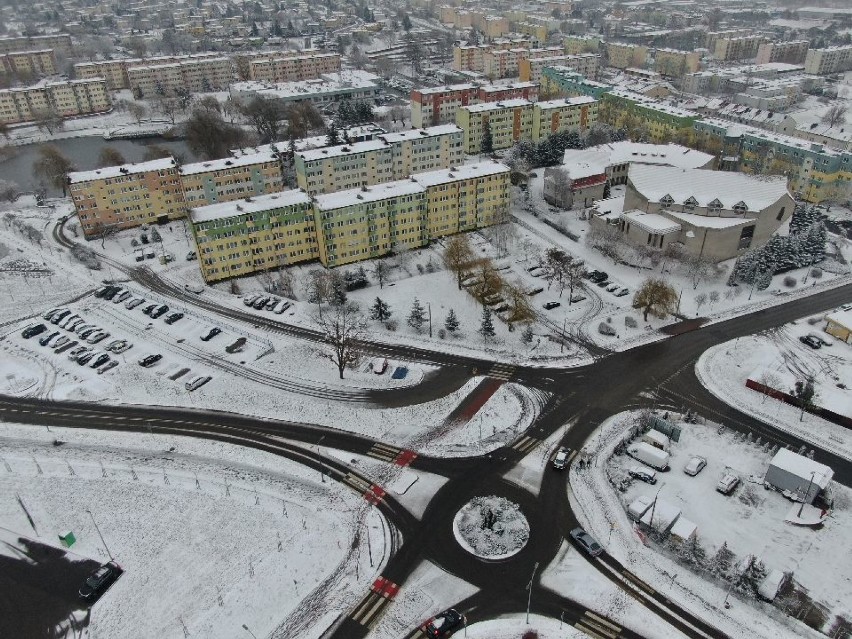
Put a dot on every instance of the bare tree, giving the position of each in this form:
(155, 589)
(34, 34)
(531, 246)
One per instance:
(110, 156)
(563, 270)
(138, 111)
(458, 255)
(342, 328)
(502, 233)
(48, 120)
(656, 297)
(317, 286)
(607, 240)
(698, 268)
(770, 382)
(169, 107)
(521, 311)
(488, 280)
(381, 270)
(835, 115)
(53, 167)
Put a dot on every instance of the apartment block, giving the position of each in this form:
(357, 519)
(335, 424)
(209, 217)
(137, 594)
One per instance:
(738, 47)
(621, 55)
(577, 44)
(498, 92)
(502, 63)
(28, 63)
(128, 195)
(113, 71)
(293, 68)
(390, 156)
(712, 37)
(470, 57)
(59, 42)
(586, 63)
(199, 75)
(829, 60)
(255, 234)
(793, 52)
(438, 105)
(663, 122)
(329, 89)
(66, 99)
(228, 179)
(508, 121)
(674, 63)
(564, 114)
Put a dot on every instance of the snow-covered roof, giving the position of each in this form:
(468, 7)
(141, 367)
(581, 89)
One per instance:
(639, 506)
(496, 88)
(802, 467)
(842, 317)
(122, 169)
(684, 528)
(640, 153)
(463, 172)
(651, 222)
(227, 163)
(352, 197)
(327, 83)
(416, 134)
(255, 204)
(610, 207)
(342, 149)
(450, 88)
(709, 221)
(580, 170)
(661, 515)
(494, 106)
(705, 186)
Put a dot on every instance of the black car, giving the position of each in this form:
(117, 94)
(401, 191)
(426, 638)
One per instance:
(100, 580)
(811, 341)
(443, 625)
(44, 340)
(101, 359)
(174, 317)
(550, 305)
(58, 317)
(111, 292)
(237, 345)
(213, 332)
(102, 291)
(150, 360)
(32, 331)
(159, 311)
(147, 310)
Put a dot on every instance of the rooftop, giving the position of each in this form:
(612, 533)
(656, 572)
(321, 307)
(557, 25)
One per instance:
(651, 222)
(462, 172)
(352, 197)
(123, 169)
(496, 106)
(640, 153)
(227, 163)
(256, 204)
(802, 466)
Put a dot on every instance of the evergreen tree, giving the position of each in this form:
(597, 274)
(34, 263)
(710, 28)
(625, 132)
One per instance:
(692, 553)
(452, 322)
(722, 562)
(332, 138)
(406, 22)
(527, 335)
(338, 288)
(417, 317)
(486, 328)
(380, 310)
(748, 581)
(155, 235)
(487, 139)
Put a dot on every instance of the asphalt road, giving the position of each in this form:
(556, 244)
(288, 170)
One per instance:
(582, 396)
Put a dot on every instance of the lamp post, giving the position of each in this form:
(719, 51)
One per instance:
(807, 492)
(429, 306)
(99, 534)
(529, 589)
(322, 474)
(562, 344)
(246, 628)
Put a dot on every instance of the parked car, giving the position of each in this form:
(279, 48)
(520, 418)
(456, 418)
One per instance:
(136, 301)
(550, 305)
(535, 290)
(101, 291)
(100, 580)
(443, 625)
(120, 297)
(32, 331)
(586, 542)
(159, 311)
(811, 341)
(577, 297)
(612, 288)
(260, 302)
(58, 317)
(46, 338)
(112, 292)
(727, 484)
(150, 360)
(694, 466)
(87, 357)
(560, 460)
(622, 292)
(71, 343)
(174, 317)
(643, 474)
(380, 365)
(198, 289)
(281, 306)
(192, 255)
(236, 346)
(89, 332)
(147, 310)
(250, 299)
(60, 341)
(70, 322)
(272, 303)
(99, 360)
(213, 332)
(603, 283)
(82, 328)
(197, 382)
(108, 366)
(51, 312)
(115, 345)
(99, 336)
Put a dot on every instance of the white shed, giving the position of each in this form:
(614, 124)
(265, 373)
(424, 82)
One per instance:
(661, 516)
(683, 529)
(656, 439)
(798, 474)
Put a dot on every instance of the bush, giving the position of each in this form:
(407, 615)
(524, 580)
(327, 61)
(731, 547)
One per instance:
(789, 281)
(816, 273)
(605, 329)
(442, 333)
(420, 269)
(391, 325)
(630, 322)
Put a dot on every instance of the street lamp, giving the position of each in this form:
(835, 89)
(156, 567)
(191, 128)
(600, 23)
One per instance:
(529, 589)
(99, 534)
(429, 306)
(246, 628)
(322, 473)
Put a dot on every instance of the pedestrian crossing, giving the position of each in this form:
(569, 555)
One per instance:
(392, 454)
(597, 627)
(382, 592)
(526, 443)
(501, 371)
(371, 492)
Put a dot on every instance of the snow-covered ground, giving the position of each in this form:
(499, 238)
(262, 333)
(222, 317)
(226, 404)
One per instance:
(780, 358)
(750, 521)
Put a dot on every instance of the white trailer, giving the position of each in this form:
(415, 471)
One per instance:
(647, 454)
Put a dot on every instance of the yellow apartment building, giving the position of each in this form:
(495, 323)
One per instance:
(586, 64)
(509, 121)
(254, 234)
(113, 71)
(675, 63)
(28, 63)
(829, 60)
(577, 44)
(502, 63)
(564, 114)
(622, 55)
(390, 156)
(128, 195)
(66, 99)
(229, 179)
(289, 68)
(196, 75)
(738, 47)
(59, 42)
(469, 57)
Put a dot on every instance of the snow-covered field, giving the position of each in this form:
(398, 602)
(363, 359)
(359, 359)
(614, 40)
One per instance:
(750, 521)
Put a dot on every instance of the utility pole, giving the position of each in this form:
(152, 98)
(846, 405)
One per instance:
(529, 588)
(429, 305)
(562, 344)
(807, 492)
(322, 474)
(100, 535)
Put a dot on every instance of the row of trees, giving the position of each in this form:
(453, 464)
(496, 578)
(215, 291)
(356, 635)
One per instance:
(526, 154)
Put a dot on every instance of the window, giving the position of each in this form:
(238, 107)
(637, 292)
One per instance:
(746, 237)
(740, 208)
(666, 201)
(714, 208)
(689, 205)
(781, 213)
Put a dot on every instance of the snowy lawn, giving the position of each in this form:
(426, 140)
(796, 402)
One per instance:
(211, 536)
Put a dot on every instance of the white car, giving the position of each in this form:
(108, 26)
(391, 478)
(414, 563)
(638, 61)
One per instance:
(694, 466)
(197, 382)
(727, 484)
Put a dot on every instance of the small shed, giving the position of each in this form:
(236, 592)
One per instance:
(661, 516)
(668, 429)
(798, 474)
(67, 539)
(638, 507)
(839, 324)
(656, 439)
(684, 529)
(771, 585)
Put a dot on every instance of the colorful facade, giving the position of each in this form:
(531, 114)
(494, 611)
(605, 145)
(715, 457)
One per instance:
(229, 179)
(623, 56)
(64, 99)
(564, 114)
(289, 68)
(530, 70)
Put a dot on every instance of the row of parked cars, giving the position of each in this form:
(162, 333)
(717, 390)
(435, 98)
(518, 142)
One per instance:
(726, 484)
(267, 302)
(117, 294)
(601, 280)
